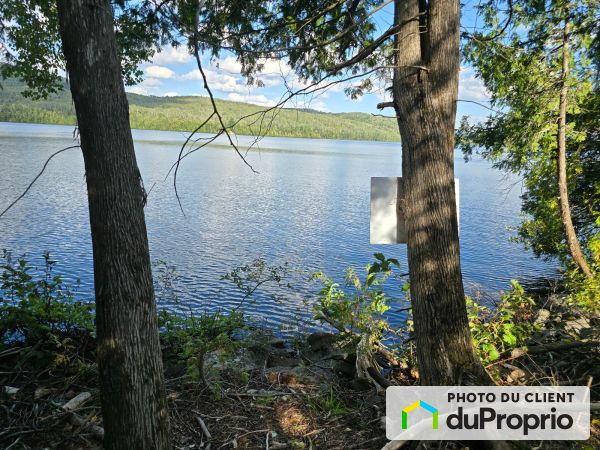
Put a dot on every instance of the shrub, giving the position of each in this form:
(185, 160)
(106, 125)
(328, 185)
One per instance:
(508, 325)
(585, 292)
(191, 338)
(361, 311)
(39, 311)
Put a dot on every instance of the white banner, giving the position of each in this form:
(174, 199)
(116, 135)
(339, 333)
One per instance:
(487, 413)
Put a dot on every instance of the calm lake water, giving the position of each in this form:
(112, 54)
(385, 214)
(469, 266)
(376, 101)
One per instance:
(308, 206)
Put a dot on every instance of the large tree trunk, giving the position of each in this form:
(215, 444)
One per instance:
(563, 187)
(129, 359)
(425, 92)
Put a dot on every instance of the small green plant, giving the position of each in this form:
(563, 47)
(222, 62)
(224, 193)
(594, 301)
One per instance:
(362, 310)
(194, 336)
(329, 404)
(297, 444)
(585, 292)
(507, 326)
(248, 278)
(39, 312)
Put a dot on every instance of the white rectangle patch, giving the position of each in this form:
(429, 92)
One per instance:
(487, 413)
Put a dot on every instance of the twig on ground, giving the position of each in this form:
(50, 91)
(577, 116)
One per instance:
(204, 428)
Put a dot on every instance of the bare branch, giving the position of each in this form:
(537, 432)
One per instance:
(383, 105)
(384, 116)
(36, 178)
(210, 94)
(499, 32)
(369, 49)
(482, 105)
(179, 158)
(215, 113)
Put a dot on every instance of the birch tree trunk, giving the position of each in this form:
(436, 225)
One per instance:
(561, 160)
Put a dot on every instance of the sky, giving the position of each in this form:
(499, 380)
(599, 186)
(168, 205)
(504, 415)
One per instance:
(173, 72)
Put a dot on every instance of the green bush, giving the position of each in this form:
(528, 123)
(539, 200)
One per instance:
(191, 338)
(585, 292)
(494, 330)
(38, 311)
(508, 325)
(359, 307)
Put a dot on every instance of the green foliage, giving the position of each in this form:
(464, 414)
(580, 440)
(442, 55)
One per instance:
(585, 292)
(315, 40)
(329, 404)
(30, 38)
(360, 310)
(182, 113)
(505, 327)
(190, 337)
(520, 66)
(38, 311)
(32, 27)
(494, 329)
(248, 278)
(194, 336)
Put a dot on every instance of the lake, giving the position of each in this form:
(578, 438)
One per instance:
(308, 206)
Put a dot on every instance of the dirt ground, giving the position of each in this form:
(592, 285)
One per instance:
(274, 396)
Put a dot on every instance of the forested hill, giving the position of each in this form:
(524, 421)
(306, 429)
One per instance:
(186, 113)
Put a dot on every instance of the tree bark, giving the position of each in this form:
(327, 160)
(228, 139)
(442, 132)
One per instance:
(134, 406)
(561, 163)
(425, 91)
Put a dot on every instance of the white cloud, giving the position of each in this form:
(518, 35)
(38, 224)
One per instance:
(225, 75)
(470, 87)
(269, 82)
(275, 67)
(271, 67)
(219, 82)
(229, 64)
(255, 99)
(151, 82)
(172, 55)
(170, 94)
(147, 87)
(160, 72)
(318, 104)
(140, 90)
(192, 75)
(272, 73)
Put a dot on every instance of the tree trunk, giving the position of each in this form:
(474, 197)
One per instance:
(563, 187)
(425, 92)
(129, 359)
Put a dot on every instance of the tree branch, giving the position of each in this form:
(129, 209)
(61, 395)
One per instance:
(369, 49)
(36, 178)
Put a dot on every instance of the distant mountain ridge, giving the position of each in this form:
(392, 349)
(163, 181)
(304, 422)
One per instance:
(186, 113)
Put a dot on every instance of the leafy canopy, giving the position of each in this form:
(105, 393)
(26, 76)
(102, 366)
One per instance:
(315, 38)
(520, 65)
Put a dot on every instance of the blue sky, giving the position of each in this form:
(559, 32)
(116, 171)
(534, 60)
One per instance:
(173, 72)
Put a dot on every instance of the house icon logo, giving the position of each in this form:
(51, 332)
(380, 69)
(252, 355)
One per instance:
(425, 406)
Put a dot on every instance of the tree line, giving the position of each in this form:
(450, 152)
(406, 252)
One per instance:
(181, 114)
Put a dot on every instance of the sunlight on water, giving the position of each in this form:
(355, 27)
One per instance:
(308, 206)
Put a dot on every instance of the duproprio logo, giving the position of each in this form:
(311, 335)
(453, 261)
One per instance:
(425, 406)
